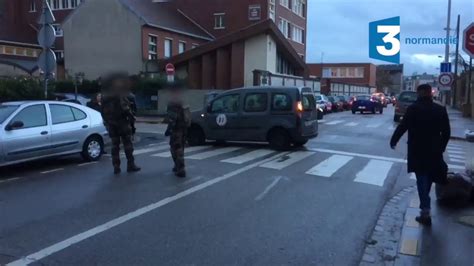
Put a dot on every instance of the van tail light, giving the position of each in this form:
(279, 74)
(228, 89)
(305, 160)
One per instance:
(299, 107)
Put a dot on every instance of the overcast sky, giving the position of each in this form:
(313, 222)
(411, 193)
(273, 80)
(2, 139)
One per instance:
(339, 29)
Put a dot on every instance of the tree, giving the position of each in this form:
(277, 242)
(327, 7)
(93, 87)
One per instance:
(383, 80)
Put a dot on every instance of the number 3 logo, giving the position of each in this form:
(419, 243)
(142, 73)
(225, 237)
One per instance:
(390, 38)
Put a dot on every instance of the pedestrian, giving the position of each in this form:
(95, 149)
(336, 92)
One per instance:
(118, 117)
(179, 119)
(96, 102)
(429, 131)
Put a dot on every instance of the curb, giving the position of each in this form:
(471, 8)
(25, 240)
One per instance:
(458, 138)
(384, 245)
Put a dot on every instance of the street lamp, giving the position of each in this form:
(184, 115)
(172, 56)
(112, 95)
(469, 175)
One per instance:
(78, 78)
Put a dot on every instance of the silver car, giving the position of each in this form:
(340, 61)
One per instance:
(39, 129)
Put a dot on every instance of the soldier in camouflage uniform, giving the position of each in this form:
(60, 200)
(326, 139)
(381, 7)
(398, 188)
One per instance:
(118, 118)
(177, 129)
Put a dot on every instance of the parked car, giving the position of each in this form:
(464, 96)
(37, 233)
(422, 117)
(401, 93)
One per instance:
(382, 98)
(71, 98)
(323, 103)
(345, 102)
(281, 116)
(367, 103)
(394, 100)
(404, 100)
(337, 105)
(40, 129)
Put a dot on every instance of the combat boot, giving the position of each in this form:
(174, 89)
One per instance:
(117, 170)
(424, 218)
(133, 168)
(180, 173)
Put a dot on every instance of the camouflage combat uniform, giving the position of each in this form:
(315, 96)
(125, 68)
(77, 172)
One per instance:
(117, 118)
(177, 130)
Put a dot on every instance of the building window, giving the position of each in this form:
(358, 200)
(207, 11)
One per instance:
(297, 34)
(283, 66)
(152, 47)
(219, 22)
(32, 6)
(65, 4)
(194, 45)
(59, 55)
(74, 3)
(285, 3)
(271, 10)
(56, 4)
(181, 47)
(57, 30)
(298, 7)
(168, 48)
(285, 27)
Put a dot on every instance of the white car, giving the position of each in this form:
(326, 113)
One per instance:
(39, 129)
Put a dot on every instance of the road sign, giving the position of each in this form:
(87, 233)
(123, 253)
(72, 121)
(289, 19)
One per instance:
(446, 79)
(468, 43)
(445, 68)
(47, 61)
(169, 69)
(46, 36)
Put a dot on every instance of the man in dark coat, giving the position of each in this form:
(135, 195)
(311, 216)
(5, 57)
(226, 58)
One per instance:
(118, 117)
(428, 135)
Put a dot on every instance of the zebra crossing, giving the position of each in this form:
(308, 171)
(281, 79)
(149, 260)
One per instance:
(456, 153)
(355, 124)
(374, 171)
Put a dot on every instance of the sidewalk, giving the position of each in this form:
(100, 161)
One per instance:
(459, 124)
(150, 119)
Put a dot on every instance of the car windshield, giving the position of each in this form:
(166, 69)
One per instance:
(319, 98)
(6, 111)
(308, 102)
(408, 97)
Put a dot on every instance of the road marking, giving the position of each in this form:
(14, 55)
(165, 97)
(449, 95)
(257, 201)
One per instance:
(449, 148)
(52, 171)
(412, 176)
(329, 166)
(9, 180)
(374, 173)
(352, 124)
(335, 122)
(456, 156)
(454, 145)
(249, 156)
(322, 121)
(267, 189)
(456, 152)
(287, 160)
(41, 254)
(212, 153)
(374, 125)
(167, 154)
(84, 164)
(148, 150)
(192, 180)
(457, 160)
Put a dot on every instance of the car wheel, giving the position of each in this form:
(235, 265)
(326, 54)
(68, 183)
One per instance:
(320, 116)
(196, 136)
(353, 112)
(279, 139)
(361, 112)
(381, 111)
(300, 143)
(373, 110)
(396, 118)
(92, 148)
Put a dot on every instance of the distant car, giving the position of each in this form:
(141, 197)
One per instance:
(382, 98)
(281, 116)
(323, 103)
(404, 100)
(366, 103)
(337, 104)
(345, 102)
(40, 129)
(71, 98)
(394, 100)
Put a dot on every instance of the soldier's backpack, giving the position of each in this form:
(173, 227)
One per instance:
(187, 116)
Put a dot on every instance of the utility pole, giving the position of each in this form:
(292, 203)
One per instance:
(446, 52)
(46, 38)
(456, 61)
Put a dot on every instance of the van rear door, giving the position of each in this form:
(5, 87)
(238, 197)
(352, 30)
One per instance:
(308, 113)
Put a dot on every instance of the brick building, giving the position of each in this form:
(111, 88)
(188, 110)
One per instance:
(18, 35)
(219, 17)
(363, 74)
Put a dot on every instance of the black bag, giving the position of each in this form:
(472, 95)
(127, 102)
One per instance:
(457, 189)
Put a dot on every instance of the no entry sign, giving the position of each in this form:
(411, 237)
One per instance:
(169, 69)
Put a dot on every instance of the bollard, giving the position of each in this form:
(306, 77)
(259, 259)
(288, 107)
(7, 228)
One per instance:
(470, 152)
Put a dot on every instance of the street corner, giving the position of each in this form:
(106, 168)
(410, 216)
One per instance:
(390, 238)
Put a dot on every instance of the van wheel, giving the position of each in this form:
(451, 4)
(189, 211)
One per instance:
(320, 116)
(396, 118)
(196, 136)
(300, 143)
(92, 149)
(279, 139)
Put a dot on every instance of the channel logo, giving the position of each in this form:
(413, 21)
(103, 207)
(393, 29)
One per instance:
(384, 40)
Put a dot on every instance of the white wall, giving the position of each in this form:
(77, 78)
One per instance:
(102, 36)
(260, 53)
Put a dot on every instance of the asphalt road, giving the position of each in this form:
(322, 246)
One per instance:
(241, 204)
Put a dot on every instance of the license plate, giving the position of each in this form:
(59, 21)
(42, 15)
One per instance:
(361, 107)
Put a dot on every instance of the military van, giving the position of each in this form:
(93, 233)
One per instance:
(281, 116)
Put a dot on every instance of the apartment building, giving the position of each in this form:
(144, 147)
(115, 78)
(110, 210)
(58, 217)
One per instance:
(220, 17)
